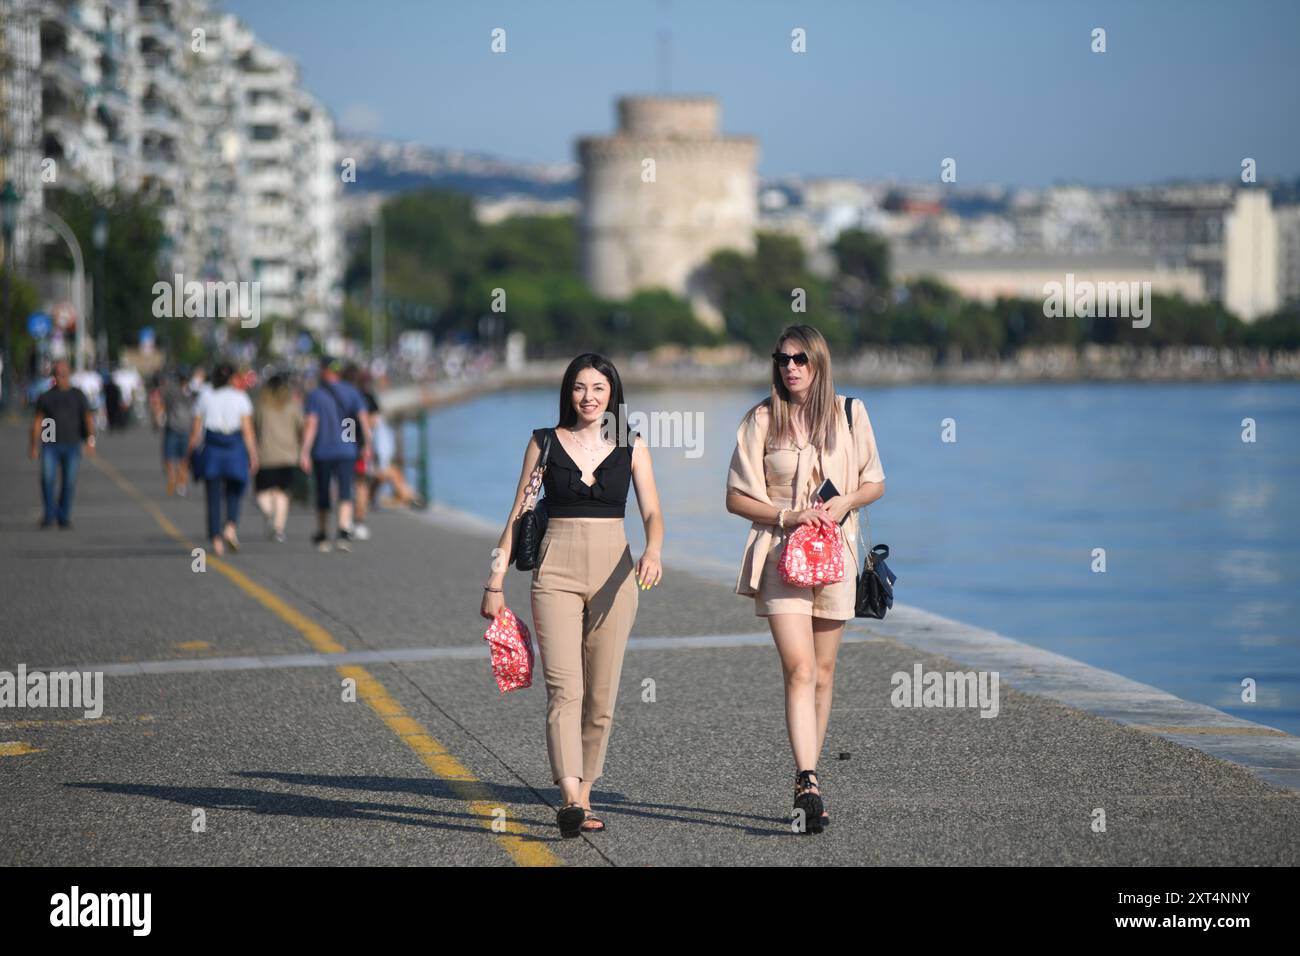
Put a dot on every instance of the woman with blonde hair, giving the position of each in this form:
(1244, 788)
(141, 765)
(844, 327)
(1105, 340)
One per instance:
(584, 589)
(786, 447)
(278, 422)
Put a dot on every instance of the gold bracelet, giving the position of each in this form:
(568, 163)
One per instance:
(780, 518)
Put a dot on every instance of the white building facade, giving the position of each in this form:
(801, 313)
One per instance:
(179, 102)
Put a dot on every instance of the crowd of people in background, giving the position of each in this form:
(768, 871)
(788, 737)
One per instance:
(227, 431)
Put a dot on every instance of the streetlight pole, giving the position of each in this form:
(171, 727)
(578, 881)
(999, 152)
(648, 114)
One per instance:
(173, 334)
(99, 239)
(78, 281)
(8, 225)
(376, 277)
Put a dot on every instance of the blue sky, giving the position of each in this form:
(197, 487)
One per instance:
(1009, 88)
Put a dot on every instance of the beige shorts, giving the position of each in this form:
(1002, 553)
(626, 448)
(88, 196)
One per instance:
(833, 601)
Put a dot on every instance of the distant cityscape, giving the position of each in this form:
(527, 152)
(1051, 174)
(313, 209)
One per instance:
(183, 104)
(1208, 242)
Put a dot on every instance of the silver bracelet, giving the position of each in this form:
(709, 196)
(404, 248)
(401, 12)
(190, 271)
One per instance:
(780, 518)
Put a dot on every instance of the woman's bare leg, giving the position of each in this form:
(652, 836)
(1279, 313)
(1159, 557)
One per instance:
(827, 635)
(281, 505)
(793, 634)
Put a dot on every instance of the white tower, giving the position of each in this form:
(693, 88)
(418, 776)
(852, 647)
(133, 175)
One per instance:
(661, 195)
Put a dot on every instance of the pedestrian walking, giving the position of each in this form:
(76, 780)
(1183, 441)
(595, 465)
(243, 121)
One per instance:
(278, 422)
(786, 446)
(224, 451)
(365, 464)
(63, 420)
(177, 405)
(584, 583)
(334, 423)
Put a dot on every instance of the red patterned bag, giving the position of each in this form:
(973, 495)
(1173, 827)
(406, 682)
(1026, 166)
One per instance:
(813, 556)
(512, 651)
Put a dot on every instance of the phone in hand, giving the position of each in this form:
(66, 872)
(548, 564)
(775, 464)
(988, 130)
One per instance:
(826, 492)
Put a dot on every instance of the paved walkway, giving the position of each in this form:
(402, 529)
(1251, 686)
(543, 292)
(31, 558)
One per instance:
(223, 703)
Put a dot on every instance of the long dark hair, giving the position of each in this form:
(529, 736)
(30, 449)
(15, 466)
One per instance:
(569, 416)
(222, 374)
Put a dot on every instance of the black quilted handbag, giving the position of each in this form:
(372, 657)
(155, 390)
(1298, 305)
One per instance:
(875, 594)
(531, 525)
(875, 584)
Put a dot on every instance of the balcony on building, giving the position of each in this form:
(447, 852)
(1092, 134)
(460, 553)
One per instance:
(155, 14)
(159, 59)
(270, 179)
(60, 64)
(59, 103)
(279, 149)
(157, 115)
(60, 15)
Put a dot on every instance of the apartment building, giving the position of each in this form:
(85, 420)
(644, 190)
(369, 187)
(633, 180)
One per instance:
(182, 103)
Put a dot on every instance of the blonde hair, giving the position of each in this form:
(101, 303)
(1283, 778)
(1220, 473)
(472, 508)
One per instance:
(821, 407)
(276, 394)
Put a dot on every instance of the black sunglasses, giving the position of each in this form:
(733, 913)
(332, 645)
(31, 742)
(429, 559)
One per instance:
(782, 359)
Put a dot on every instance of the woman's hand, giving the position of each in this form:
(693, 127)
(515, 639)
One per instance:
(493, 602)
(649, 571)
(837, 508)
(817, 515)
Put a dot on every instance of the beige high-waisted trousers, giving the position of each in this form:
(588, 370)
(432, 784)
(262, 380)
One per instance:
(584, 597)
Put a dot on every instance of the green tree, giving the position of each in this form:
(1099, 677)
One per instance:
(135, 234)
(532, 244)
(23, 301)
(864, 256)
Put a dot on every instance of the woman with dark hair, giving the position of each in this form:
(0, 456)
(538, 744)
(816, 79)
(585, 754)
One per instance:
(223, 427)
(786, 446)
(584, 587)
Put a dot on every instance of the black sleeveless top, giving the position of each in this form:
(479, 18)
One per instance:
(567, 495)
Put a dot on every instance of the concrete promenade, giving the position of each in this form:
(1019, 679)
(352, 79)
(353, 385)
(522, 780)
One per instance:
(224, 703)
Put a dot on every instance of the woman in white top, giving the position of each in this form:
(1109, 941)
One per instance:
(226, 453)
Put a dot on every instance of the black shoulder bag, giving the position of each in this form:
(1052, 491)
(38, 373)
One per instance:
(875, 593)
(531, 525)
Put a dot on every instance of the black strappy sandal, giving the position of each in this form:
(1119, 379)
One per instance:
(593, 818)
(570, 819)
(825, 817)
(809, 800)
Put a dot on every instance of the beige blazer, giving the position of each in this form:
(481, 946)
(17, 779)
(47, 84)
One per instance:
(854, 461)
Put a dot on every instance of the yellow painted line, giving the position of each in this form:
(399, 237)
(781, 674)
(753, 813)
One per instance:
(469, 789)
(70, 722)
(433, 754)
(16, 748)
(193, 646)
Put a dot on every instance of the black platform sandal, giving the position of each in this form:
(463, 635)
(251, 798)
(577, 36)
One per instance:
(825, 817)
(570, 819)
(807, 797)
